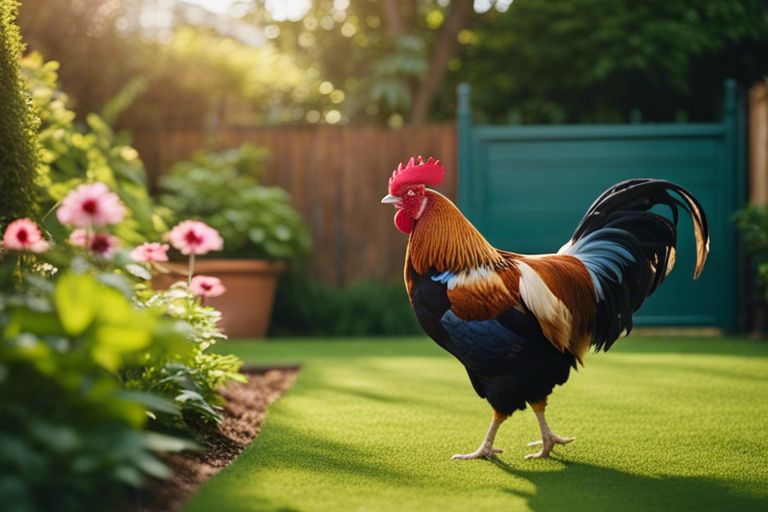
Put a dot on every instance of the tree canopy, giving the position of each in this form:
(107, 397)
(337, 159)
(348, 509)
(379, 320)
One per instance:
(398, 61)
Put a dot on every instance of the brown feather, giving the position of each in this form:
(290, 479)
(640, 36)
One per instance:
(444, 239)
(569, 280)
(481, 299)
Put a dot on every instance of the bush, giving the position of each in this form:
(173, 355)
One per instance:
(73, 154)
(18, 151)
(222, 190)
(752, 221)
(192, 383)
(72, 438)
(304, 307)
(92, 360)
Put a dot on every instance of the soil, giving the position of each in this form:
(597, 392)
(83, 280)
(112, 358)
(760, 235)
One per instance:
(244, 414)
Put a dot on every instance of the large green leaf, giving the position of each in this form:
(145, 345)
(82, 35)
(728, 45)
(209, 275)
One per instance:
(77, 301)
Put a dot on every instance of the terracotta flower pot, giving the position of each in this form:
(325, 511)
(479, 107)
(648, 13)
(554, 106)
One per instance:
(247, 305)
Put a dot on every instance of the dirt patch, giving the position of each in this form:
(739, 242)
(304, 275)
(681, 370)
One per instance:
(244, 413)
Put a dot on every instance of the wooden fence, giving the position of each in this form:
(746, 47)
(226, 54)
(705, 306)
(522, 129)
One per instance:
(758, 143)
(336, 177)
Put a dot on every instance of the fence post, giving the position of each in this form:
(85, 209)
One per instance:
(758, 144)
(464, 127)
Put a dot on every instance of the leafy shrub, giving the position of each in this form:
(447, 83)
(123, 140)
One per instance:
(72, 438)
(72, 155)
(18, 151)
(222, 190)
(306, 307)
(88, 353)
(752, 221)
(193, 384)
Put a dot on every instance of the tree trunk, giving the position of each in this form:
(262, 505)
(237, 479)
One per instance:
(393, 18)
(445, 47)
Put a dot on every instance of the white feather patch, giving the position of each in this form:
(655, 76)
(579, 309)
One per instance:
(470, 276)
(554, 317)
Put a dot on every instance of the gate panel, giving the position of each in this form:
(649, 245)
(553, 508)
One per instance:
(526, 188)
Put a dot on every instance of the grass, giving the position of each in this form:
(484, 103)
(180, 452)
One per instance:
(661, 424)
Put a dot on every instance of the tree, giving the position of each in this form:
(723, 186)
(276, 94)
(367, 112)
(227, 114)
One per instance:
(443, 51)
(194, 74)
(609, 60)
(18, 146)
(388, 57)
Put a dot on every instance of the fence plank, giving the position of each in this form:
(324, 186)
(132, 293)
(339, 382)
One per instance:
(758, 144)
(336, 176)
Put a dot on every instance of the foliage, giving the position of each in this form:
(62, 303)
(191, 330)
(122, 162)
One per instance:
(306, 307)
(752, 221)
(192, 383)
(72, 438)
(18, 151)
(663, 60)
(225, 79)
(222, 190)
(72, 155)
(99, 53)
(194, 72)
(384, 62)
(87, 353)
(655, 59)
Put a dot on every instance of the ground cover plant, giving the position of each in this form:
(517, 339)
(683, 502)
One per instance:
(660, 424)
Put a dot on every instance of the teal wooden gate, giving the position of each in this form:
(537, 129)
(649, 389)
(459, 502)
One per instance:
(526, 187)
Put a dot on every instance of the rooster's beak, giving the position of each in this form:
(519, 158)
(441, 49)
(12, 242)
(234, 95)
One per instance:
(389, 198)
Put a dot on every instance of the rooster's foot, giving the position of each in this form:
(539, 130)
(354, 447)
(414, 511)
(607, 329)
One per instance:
(547, 444)
(484, 452)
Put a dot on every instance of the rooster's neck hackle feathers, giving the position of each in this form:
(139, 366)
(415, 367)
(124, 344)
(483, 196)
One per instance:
(445, 240)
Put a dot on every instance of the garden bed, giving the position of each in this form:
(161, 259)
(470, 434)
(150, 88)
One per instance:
(243, 417)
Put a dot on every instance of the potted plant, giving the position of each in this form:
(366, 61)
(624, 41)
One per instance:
(260, 229)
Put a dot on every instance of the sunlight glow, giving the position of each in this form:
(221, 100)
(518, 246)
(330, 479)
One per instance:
(280, 10)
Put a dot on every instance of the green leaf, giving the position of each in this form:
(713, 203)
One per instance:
(122, 339)
(151, 401)
(77, 300)
(163, 443)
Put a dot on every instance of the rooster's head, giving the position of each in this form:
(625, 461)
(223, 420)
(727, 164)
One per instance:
(407, 190)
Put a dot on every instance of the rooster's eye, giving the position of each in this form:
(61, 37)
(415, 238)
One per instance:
(411, 192)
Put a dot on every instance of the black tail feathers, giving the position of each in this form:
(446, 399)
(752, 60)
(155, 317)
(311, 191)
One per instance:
(629, 250)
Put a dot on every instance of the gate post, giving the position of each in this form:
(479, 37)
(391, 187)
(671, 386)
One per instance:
(464, 129)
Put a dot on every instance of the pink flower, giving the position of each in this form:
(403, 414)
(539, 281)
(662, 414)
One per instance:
(193, 237)
(101, 244)
(207, 286)
(150, 252)
(24, 235)
(91, 204)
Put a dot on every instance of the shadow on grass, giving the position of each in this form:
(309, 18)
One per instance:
(281, 448)
(585, 487)
(298, 448)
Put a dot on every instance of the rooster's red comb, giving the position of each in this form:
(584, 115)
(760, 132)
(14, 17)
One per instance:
(416, 172)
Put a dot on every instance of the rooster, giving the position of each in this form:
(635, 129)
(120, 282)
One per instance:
(520, 323)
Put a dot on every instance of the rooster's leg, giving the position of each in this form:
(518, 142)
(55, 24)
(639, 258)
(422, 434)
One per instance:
(486, 450)
(548, 438)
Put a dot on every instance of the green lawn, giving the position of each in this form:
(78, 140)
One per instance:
(661, 424)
